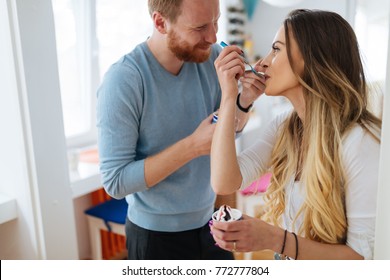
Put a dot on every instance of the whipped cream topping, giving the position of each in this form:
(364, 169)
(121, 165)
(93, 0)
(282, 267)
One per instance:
(224, 213)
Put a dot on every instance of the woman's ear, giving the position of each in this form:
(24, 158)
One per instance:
(159, 22)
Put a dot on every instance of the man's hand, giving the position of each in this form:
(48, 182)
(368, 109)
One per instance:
(202, 136)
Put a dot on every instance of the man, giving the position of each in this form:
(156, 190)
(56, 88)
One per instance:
(155, 126)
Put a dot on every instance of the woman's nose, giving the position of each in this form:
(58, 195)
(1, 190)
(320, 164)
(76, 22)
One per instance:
(261, 65)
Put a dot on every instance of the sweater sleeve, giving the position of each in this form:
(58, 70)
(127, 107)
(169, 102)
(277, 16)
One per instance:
(119, 105)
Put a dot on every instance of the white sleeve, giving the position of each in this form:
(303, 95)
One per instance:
(255, 160)
(361, 162)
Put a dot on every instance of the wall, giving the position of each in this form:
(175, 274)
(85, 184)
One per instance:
(382, 243)
(17, 237)
(35, 168)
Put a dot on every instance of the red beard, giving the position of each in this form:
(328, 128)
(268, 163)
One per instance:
(183, 51)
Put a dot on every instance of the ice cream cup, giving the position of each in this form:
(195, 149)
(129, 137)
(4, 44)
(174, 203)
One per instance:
(236, 214)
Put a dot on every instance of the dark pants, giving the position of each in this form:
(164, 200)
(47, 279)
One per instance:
(196, 244)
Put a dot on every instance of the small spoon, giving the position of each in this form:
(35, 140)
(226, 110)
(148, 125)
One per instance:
(259, 74)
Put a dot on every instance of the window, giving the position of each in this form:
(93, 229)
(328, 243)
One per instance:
(372, 29)
(91, 35)
(121, 25)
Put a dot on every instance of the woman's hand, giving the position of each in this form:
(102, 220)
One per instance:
(251, 234)
(230, 67)
(252, 86)
(248, 234)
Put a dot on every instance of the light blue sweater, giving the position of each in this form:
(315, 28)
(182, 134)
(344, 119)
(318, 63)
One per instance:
(143, 109)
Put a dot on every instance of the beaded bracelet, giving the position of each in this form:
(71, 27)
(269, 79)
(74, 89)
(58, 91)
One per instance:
(296, 245)
(279, 256)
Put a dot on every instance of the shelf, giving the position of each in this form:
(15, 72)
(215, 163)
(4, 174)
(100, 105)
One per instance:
(8, 210)
(85, 179)
(84, 171)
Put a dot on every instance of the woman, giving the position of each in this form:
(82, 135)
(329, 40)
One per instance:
(323, 155)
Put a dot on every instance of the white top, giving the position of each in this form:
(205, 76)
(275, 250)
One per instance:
(361, 162)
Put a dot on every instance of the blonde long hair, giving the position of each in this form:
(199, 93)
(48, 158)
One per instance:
(336, 99)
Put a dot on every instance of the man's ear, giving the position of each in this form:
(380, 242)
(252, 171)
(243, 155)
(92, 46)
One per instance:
(159, 22)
